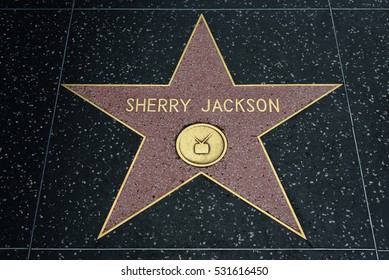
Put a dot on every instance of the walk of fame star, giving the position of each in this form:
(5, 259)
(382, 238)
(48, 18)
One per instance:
(202, 91)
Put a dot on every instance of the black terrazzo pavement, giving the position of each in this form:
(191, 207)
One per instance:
(360, 3)
(384, 255)
(89, 153)
(202, 4)
(32, 45)
(36, 4)
(13, 254)
(366, 64)
(202, 254)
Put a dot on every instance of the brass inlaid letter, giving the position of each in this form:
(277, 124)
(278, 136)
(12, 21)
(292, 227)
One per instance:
(217, 106)
(150, 104)
(138, 104)
(276, 106)
(173, 105)
(162, 105)
(250, 103)
(259, 106)
(238, 104)
(129, 102)
(208, 108)
(185, 103)
(225, 105)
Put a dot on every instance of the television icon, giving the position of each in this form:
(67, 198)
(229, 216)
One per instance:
(201, 147)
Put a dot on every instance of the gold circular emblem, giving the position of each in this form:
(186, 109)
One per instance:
(201, 145)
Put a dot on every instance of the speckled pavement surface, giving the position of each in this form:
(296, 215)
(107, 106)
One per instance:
(63, 161)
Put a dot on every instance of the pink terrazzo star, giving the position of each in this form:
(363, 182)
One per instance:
(201, 75)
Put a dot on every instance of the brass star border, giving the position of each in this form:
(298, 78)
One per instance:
(201, 18)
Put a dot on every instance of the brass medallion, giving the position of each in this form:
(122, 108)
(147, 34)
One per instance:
(201, 145)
